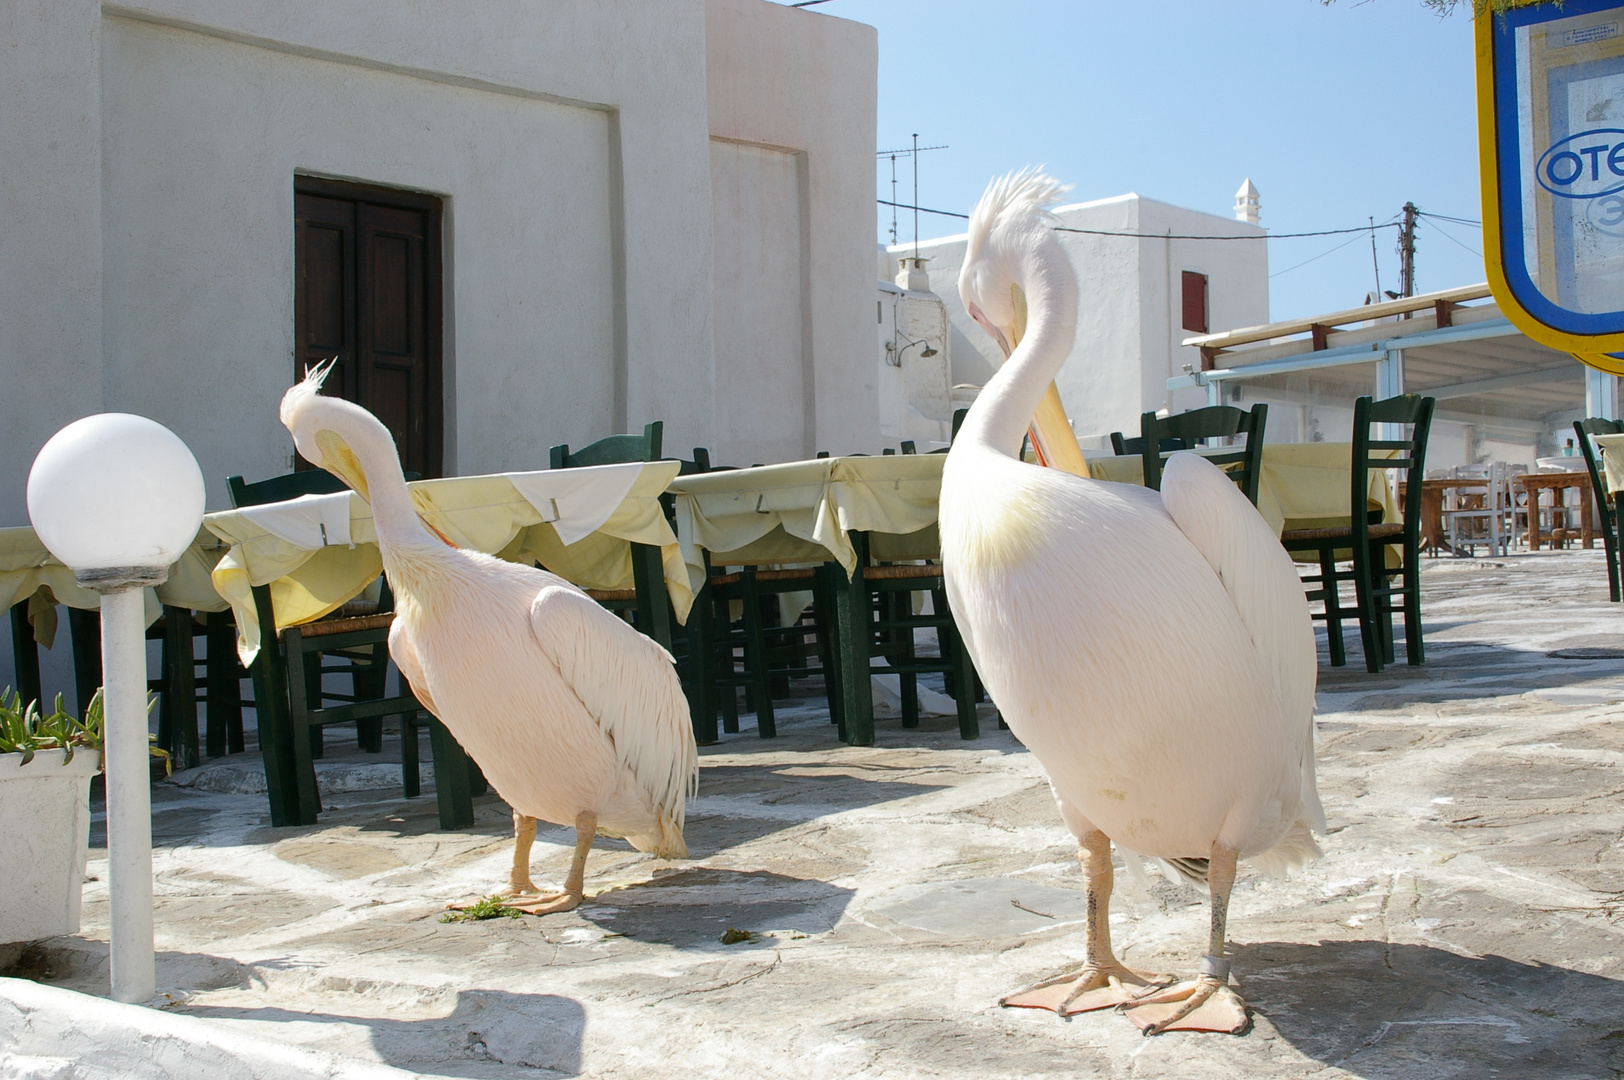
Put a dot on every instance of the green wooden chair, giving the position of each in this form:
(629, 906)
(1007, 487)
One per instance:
(291, 703)
(1188, 429)
(1608, 504)
(1364, 541)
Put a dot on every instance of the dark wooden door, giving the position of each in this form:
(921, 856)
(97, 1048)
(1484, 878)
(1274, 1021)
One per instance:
(367, 291)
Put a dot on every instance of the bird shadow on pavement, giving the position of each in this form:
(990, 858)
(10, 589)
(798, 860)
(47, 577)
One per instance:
(1379, 1009)
(703, 907)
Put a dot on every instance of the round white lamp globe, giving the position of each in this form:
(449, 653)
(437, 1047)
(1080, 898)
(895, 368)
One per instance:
(117, 498)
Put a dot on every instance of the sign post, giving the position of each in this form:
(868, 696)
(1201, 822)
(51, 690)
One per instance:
(1550, 81)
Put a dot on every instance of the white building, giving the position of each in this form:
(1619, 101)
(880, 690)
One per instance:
(519, 222)
(1141, 295)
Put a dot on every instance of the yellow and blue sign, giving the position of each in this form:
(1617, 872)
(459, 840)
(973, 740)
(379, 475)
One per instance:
(1550, 81)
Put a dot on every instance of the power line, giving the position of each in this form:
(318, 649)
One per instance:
(1456, 220)
(1445, 234)
(1159, 236)
(1321, 255)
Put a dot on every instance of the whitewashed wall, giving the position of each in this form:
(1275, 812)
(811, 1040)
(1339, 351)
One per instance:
(569, 141)
(800, 88)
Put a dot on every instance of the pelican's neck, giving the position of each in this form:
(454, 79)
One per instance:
(1003, 411)
(399, 528)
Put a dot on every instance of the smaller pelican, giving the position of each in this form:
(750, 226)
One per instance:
(574, 717)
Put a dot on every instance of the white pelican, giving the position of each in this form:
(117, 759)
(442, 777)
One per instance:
(1153, 649)
(574, 717)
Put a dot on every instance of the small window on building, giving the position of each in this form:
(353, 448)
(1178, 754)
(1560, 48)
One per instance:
(1195, 302)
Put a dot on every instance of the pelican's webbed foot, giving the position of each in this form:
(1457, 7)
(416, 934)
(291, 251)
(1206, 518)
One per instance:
(546, 903)
(1205, 1003)
(1094, 986)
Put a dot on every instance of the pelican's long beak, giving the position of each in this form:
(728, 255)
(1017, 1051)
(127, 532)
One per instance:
(338, 459)
(1052, 438)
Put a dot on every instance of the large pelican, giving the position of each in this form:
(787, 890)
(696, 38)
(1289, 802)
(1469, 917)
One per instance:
(1153, 649)
(574, 717)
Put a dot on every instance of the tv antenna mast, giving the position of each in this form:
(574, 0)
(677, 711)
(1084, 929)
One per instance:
(911, 152)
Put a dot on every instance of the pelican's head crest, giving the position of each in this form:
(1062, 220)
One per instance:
(1011, 219)
(316, 423)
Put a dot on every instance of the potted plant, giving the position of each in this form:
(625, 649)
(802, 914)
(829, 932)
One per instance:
(46, 763)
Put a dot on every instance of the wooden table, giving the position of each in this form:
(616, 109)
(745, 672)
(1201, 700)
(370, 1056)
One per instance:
(1433, 493)
(1559, 483)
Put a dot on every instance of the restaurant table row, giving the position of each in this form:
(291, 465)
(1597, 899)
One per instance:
(589, 525)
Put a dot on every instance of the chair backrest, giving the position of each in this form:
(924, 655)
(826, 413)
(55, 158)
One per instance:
(700, 464)
(281, 488)
(1135, 446)
(1407, 454)
(613, 450)
(1213, 422)
(1596, 425)
(908, 447)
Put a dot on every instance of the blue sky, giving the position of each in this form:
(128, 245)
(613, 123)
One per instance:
(1337, 113)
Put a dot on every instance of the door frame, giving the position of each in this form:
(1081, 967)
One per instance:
(433, 208)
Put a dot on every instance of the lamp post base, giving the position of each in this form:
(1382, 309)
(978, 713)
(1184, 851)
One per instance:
(129, 794)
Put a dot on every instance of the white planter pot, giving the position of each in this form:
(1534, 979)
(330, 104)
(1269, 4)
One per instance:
(44, 840)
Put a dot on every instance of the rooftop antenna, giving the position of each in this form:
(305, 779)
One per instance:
(908, 151)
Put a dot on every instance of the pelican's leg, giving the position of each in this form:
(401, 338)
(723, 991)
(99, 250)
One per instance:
(1103, 981)
(1205, 1003)
(524, 835)
(574, 891)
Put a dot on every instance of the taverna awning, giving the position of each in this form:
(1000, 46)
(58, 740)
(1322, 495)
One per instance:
(1453, 345)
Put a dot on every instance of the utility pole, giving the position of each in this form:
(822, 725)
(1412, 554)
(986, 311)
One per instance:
(1406, 251)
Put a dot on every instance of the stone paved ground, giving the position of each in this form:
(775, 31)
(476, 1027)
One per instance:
(1467, 920)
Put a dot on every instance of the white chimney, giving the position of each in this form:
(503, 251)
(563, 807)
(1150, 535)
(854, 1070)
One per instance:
(1247, 207)
(912, 274)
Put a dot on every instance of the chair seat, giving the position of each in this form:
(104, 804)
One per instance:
(1343, 532)
(895, 573)
(611, 595)
(327, 627)
(807, 574)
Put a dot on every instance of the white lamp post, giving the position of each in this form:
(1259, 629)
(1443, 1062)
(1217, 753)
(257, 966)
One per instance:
(118, 498)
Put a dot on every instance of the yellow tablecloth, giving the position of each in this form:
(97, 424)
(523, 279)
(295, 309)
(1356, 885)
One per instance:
(1302, 486)
(29, 572)
(801, 511)
(482, 513)
(1612, 460)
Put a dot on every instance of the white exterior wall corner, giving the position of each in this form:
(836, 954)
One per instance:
(569, 142)
(50, 230)
(1237, 273)
(806, 83)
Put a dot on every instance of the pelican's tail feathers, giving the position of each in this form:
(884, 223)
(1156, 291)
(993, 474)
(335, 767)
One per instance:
(1295, 849)
(665, 842)
(1177, 871)
(1312, 807)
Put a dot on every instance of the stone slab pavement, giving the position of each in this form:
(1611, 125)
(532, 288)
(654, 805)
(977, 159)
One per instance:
(1467, 919)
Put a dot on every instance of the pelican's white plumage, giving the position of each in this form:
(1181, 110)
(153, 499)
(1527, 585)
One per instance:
(574, 717)
(1153, 649)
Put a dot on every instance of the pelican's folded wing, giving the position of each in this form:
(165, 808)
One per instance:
(628, 685)
(404, 654)
(1261, 581)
